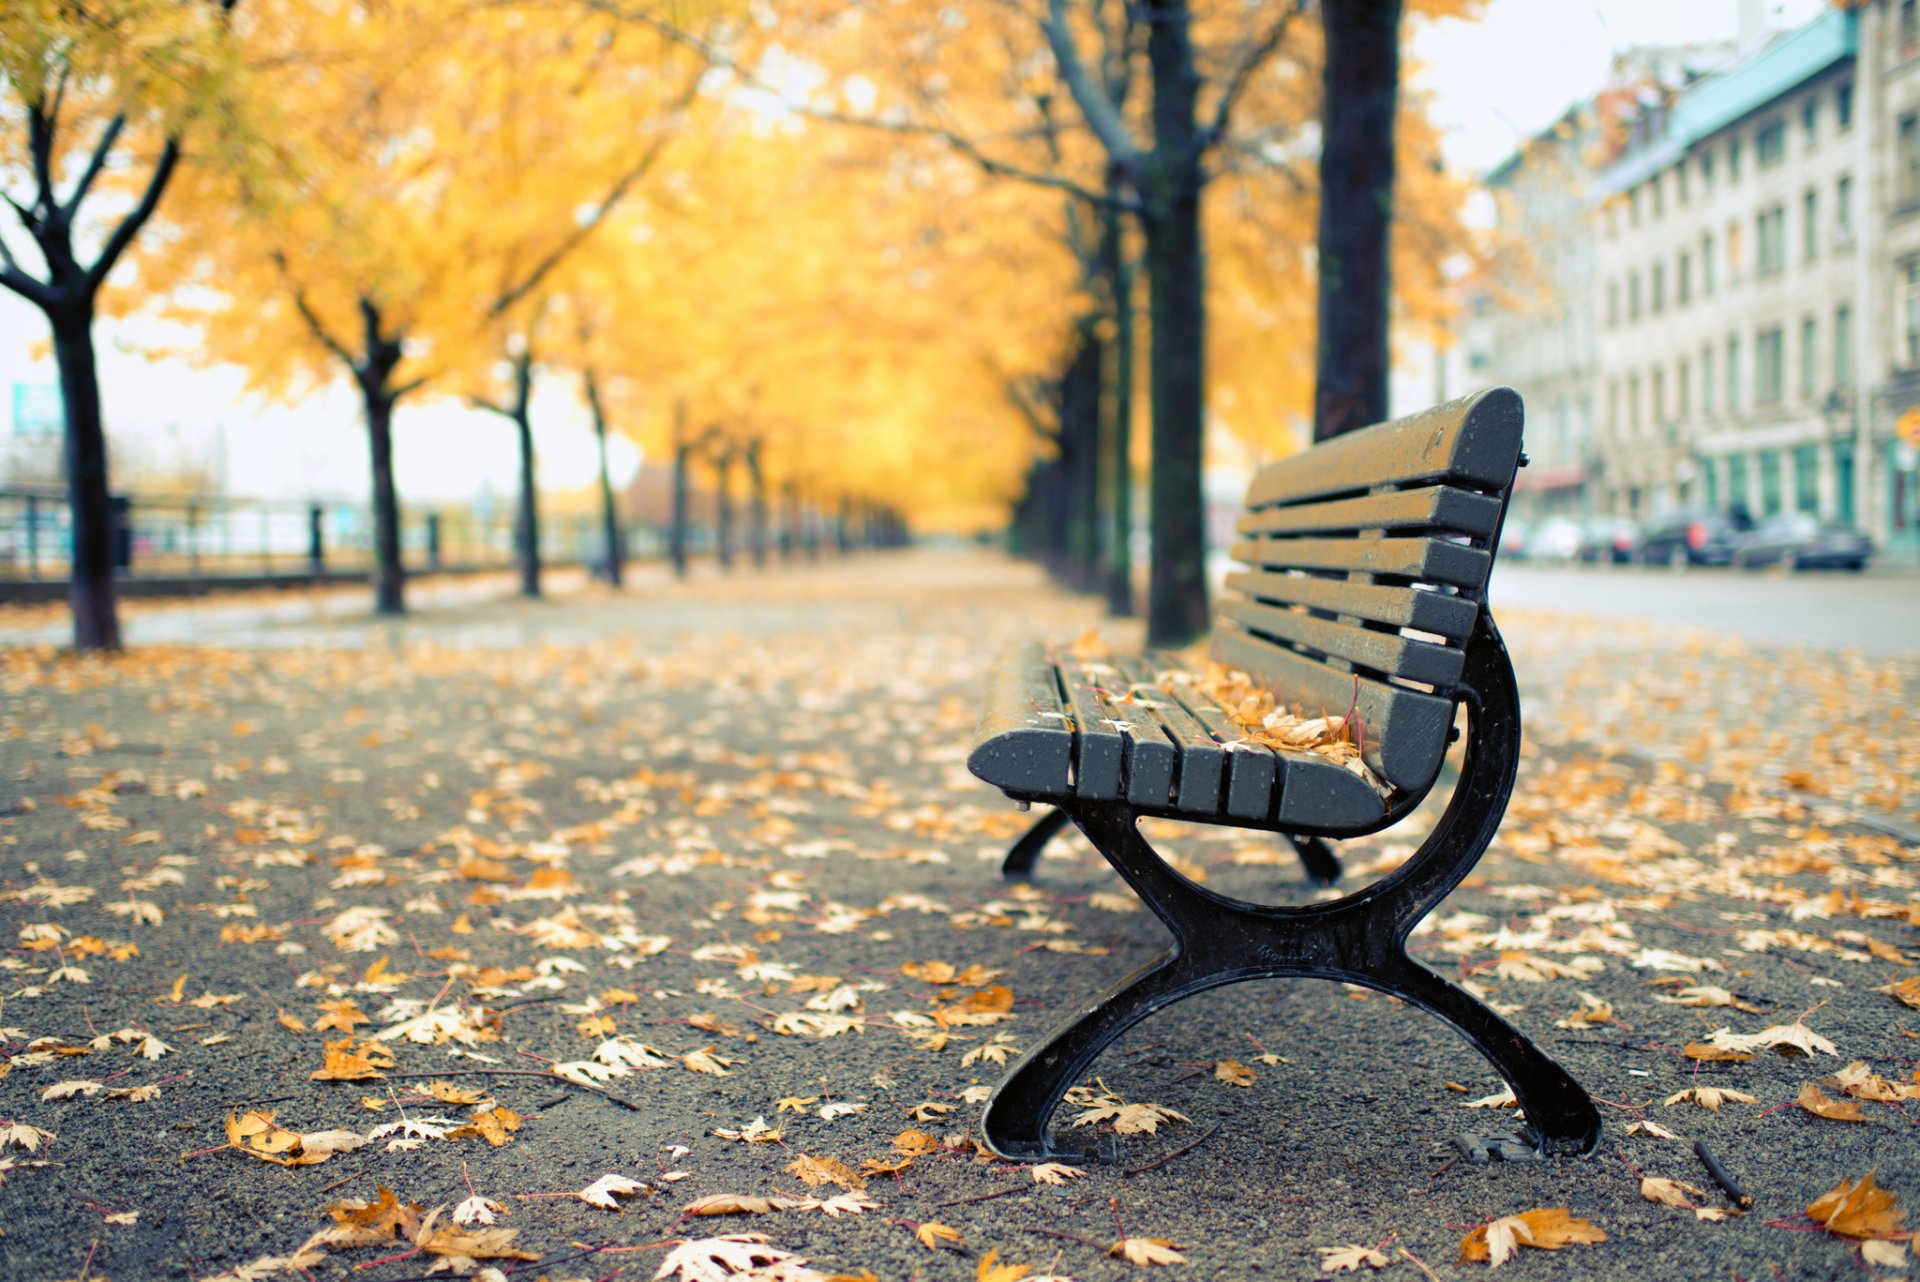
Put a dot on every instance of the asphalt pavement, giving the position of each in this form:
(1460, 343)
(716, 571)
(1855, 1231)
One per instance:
(725, 829)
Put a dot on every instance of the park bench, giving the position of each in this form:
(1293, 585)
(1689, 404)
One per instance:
(1365, 589)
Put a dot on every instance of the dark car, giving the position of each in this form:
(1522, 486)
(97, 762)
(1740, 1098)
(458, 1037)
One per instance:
(1802, 542)
(1608, 538)
(1694, 538)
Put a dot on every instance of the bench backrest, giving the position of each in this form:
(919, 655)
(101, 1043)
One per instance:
(1367, 557)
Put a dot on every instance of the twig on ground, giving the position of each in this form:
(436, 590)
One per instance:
(1185, 1148)
(621, 1100)
(985, 1197)
(1741, 1198)
(1419, 1263)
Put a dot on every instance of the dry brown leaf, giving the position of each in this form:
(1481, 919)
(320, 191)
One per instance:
(387, 1217)
(1820, 1104)
(1233, 1073)
(732, 1204)
(934, 1235)
(494, 1125)
(1710, 1097)
(1859, 1210)
(915, 1143)
(1654, 1129)
(815, 1171)
(989, 1269)
(1146, 1251)
(1713, 1054)
(350, 1061)
(1669, 1192)
(1547, 1229)
(1054, 1173)
(603, 1191)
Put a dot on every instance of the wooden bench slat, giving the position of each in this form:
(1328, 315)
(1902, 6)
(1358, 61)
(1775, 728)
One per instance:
(1473, 441)
(1384, 652)
(1439, 508)
(1405, 730)
(1149, 758)
(1099, 748)
(1423, 611)
(1252, 772)
(1025, 739)
(1425, 560)
(1202, 763)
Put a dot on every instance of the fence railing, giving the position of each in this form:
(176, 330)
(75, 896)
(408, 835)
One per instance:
(214, 538)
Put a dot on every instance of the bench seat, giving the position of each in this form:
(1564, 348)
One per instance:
(1105, 729)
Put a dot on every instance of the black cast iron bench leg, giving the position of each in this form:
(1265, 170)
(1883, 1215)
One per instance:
(1359, 939)
(1316, 856)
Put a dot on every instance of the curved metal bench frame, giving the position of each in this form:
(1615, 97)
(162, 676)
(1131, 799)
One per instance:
(1359, 939)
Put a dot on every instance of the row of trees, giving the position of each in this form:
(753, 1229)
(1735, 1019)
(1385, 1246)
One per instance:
(901, 258)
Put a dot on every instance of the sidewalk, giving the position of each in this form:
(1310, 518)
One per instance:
(726, 829)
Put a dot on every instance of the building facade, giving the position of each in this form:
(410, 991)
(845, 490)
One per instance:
(1753, 245)
(1726, 271)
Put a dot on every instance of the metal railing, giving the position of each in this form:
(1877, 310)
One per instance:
(215, 539)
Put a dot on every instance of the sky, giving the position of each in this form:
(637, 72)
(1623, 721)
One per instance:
(1492, 83)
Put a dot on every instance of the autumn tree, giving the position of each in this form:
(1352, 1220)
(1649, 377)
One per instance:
(429, 167)
(97, 100)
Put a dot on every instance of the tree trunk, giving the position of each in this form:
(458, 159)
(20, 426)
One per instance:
(1176, 278)
(389, 575)
(1120, 427)
(527, 520)
(757, 513)
(723, 507)
(90, 588)
(677, 526)
(1361, 83)
(615, 547)
(1080, 459)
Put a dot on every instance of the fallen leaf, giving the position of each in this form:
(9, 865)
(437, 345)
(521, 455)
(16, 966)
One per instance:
(815, 1171)
(1859, 1210)
(1351, 1259)
(1146, 1251)
(1820, 1104)
(603, 1191)
(1547, 1229)
(1054, 1172)
(934, 1235)
(1669, 1192)
(1710, 1097)
(712, 1259)
(1233, 1073)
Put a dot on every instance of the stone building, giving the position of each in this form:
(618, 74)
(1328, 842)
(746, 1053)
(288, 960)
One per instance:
(1758, 265)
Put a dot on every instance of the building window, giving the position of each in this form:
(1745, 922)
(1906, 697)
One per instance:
(1683, 388)
(1910, 312)
(1659, 190)
(1770, 143)
(1706, 171)
(1810, 119)
(1770, 234)
(1706, 379)
(1613, 303)
(1733, 251)
(1843, 211)
(1658, 388)
(1806, 479)
(1810, 223)
(1769, 369)
(1907, 167)
(1680, 182)
(1706, 265)
(1809, 333)
(1909, 29)
(1736, 480)
(1683, 282)
(1843, 347)
(1633, 296)
(1710, 474)
(1633, 404)
(1733, 160)
(1633, 205)
(1659, 288)
(1769, 482)
(1733, 375)
(1613, 407)
(1843, 106)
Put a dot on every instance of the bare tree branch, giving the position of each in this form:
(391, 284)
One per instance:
(311, 317)
(130, 225)
(1101, 115)
(96, 162)
(1243, 76)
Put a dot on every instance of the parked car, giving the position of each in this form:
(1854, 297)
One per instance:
(1694, 537)
(1608, 538)
(1802, 542)
(1555, 539)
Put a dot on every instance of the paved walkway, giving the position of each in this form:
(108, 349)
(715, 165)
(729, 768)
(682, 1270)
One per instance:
(721, 837)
